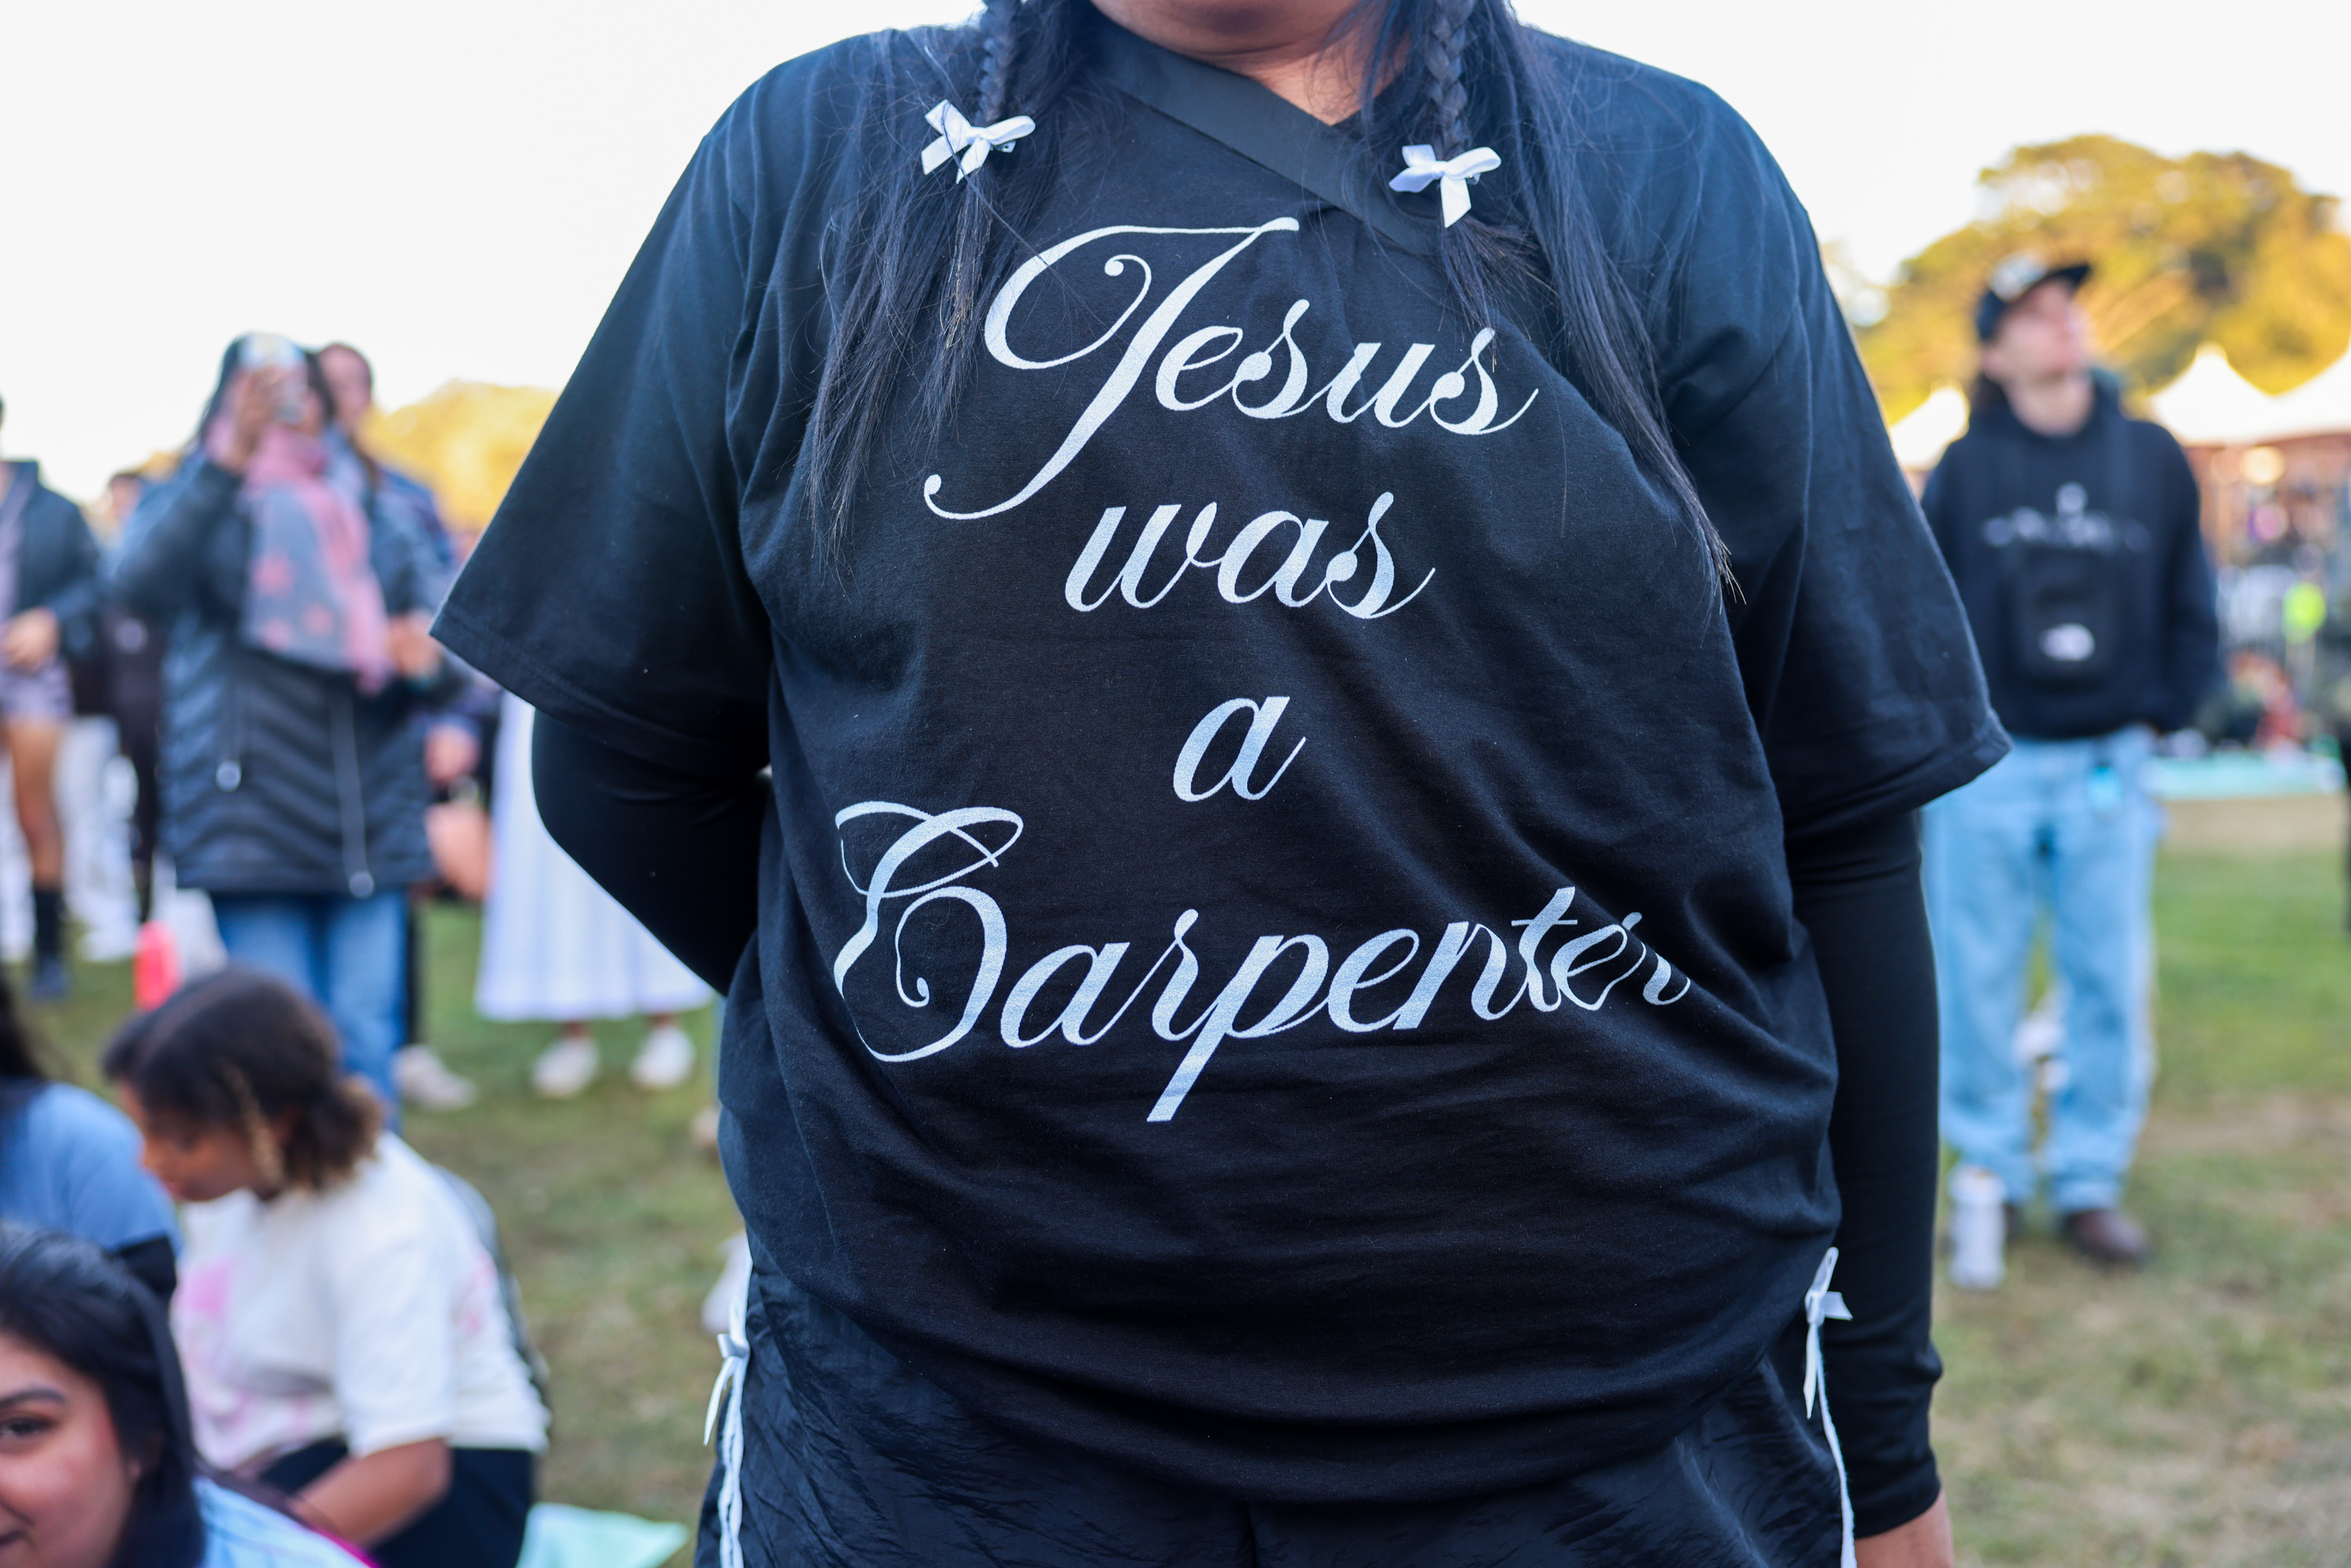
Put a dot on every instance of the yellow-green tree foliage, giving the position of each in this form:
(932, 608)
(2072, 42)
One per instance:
(465, 440)
(2213, 247)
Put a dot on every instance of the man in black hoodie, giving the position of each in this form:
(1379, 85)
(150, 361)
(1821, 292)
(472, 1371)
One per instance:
(2071, 531)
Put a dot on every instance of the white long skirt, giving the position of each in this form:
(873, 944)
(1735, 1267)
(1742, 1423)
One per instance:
(555, 946)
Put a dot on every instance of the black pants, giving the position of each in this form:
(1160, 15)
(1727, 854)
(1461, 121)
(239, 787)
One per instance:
(478, 1524)
(851, 1459)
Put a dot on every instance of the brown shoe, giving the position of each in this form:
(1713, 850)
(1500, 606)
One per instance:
(2106, 1236)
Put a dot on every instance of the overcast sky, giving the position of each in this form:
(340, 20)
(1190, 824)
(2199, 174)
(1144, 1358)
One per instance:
(457, 184)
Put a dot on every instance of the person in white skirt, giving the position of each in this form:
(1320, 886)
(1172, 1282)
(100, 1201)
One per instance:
(555, 948)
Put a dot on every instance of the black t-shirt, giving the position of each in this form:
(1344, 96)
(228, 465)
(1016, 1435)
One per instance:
(1276, 961)
(2081, 561)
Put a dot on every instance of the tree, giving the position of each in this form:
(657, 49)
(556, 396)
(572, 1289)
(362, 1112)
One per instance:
(2213, 247)
(466, 439)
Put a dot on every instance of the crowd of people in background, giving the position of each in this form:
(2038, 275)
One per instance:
(344, 1359)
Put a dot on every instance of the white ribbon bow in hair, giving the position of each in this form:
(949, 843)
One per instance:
(957, 134)
(1422, 167)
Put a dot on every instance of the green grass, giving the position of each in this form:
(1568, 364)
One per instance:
(2195, 1416)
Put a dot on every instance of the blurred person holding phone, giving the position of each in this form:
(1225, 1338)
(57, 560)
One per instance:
(299, 662)
(48, 606)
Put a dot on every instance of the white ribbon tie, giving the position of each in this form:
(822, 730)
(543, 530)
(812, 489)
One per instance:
(1821, 1302)
(734, 1360)
(958, 135)
(1452, 176)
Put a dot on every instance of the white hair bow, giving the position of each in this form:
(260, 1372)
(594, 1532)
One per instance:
(957, 134)
(1422, 167)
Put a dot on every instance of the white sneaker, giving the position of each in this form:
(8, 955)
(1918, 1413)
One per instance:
(425, 1081)
(665, 1060)
(565, 1068)
(1979, 1229)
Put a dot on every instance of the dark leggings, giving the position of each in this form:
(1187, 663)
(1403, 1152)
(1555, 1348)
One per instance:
(477, 1524)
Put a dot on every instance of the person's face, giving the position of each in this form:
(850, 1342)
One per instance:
(123, 495)
(354, 388)
(65, 1485)
(2044, 336)
(195, 1163)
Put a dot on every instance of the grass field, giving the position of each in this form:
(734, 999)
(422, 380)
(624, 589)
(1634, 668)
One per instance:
(2195, 1416)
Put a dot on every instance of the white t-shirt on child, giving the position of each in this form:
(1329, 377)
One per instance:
(370, 1311)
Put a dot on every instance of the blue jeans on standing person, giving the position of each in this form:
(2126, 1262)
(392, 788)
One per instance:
(348, 955)
(2063, 826)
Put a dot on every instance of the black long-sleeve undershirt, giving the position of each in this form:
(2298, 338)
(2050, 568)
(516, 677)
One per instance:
(681, 851)
(1857, 893)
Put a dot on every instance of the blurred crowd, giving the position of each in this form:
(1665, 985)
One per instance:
(238, 757)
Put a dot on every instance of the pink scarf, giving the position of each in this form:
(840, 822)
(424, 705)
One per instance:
(311, 595)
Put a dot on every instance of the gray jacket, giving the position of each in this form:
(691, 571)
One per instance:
(276, 776)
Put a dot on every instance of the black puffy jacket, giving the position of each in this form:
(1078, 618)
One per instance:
(276, 776)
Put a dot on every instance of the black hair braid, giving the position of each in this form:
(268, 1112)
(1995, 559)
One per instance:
(999, 27)
(1448, 96)
(999, 30)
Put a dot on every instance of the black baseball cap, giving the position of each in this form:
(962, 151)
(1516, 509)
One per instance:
(2014, 278)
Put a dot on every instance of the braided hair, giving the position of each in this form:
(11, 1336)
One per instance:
(1448, 28)
(910, 266)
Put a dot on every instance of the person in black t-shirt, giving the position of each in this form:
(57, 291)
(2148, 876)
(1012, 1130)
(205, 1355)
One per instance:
(1305, 982)
(2071, 531)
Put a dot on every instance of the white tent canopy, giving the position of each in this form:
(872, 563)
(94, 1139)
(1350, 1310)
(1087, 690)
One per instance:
(2209, 405)
(2321, 406)
(2212, 405)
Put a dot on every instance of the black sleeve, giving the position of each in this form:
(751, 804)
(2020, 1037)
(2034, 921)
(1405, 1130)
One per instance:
(1857, 894)
(1935, 502)
(610, 591)
(2191, 602)
(152, 1264)
(1857, 657)
(679, 850)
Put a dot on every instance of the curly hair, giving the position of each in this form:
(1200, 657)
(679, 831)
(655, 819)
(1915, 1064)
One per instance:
(244, 1049)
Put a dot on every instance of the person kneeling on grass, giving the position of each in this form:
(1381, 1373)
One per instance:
(98, 1468)
(342, 1323)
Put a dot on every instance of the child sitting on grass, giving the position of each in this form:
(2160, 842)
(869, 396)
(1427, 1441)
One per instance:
(339, 1316)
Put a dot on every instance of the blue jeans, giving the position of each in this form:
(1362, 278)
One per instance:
(348, 955)
(2065, 826)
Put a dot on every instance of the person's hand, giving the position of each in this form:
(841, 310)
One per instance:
(29, 640)
(415, 653)
(253, 401)
(450, 753)
(1924, 1543)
